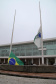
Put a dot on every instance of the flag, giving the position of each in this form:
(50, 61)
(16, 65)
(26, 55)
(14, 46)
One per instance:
(37, 39)
(13, 60)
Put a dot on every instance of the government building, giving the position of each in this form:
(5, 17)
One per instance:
(29, 53)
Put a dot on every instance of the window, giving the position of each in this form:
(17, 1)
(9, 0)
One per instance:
(29, 54)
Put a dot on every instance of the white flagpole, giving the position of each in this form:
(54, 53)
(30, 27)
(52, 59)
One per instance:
(12, 32)
(41, 34)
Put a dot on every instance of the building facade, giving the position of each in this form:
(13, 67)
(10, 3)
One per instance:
(29, 53)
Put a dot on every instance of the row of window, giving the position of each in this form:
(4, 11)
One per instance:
(46, 52)
(28, 53)
(29, 49)
(50, 43)
(32, 45)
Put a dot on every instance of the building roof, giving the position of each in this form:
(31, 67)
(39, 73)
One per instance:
(26, 42)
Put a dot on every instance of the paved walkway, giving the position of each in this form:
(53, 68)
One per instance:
(6, 79)
(31, 75)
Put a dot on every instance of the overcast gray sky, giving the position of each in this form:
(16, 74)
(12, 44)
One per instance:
(27, 19)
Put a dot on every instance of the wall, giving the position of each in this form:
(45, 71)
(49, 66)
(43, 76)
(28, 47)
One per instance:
(32, 69)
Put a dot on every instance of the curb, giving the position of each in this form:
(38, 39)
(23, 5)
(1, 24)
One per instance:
(28, 76)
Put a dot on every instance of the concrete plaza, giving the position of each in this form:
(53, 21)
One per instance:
(5, 79)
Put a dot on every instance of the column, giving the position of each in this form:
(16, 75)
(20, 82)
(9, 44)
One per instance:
(25, 61)
(47, 61)
(0, 60)
(55, 60)
(32, 61)
(39, 61)
(4, 60)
